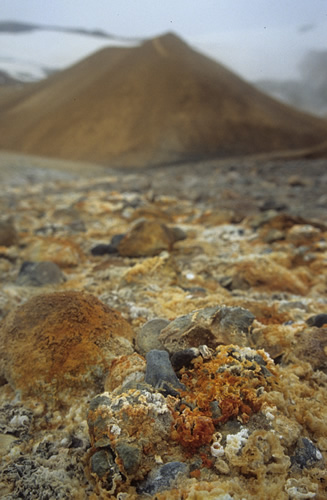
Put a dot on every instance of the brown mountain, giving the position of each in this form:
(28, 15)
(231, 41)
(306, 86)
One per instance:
(161, 102)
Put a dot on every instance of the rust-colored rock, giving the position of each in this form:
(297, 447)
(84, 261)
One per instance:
(147, 238)
(61, 344)
(62, 251)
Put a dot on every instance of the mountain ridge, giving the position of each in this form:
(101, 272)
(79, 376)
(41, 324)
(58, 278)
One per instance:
(160, 102)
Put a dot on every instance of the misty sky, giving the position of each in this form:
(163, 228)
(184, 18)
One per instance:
(256, 38)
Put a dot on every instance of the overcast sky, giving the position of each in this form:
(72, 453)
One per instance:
(256, 38)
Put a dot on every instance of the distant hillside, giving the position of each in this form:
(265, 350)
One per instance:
(157, 103)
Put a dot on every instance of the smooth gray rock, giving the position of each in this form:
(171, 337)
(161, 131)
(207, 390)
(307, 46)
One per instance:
(148, 336)
(318, 320)
(160, 373)
(39, 274)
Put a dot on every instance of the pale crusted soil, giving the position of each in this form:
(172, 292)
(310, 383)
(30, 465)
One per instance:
(255, 238)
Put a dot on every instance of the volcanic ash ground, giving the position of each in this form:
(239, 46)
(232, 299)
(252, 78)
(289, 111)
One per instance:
(164, 333)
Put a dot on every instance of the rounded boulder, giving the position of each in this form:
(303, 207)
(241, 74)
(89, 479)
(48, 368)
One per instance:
(146, 239)
(59, 345)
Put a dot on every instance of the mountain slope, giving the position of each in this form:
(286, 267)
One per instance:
(157, 103)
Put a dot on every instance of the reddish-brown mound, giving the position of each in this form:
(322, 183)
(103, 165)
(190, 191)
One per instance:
(59, 344)
(157, 103)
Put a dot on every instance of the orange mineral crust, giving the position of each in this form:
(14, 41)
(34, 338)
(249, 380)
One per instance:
(233, 380)
(58, 344)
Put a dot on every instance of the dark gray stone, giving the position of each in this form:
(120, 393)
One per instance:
(162, 478)
(101, 462)
(306, 454)
(103, 249)
(183, 358)
(317, 320)
(160, 373)
(39, 274)
(182, 323)
(148, 336)
(258, 359)
(272, 204)
(130, 456)
(76, 442)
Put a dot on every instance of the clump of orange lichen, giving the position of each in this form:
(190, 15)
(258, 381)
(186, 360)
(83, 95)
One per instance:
(234, 378)
(193, 429)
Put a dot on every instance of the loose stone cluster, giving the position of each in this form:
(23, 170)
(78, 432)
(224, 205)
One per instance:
(134, 428)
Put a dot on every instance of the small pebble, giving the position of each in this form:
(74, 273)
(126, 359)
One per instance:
(102, 462)
(130, 456)
(162, 478)
(103, 249)
(318, 320)
(306, 454)
(39, 274)
(183, 358)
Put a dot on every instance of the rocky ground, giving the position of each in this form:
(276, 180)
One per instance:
(163, 332)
